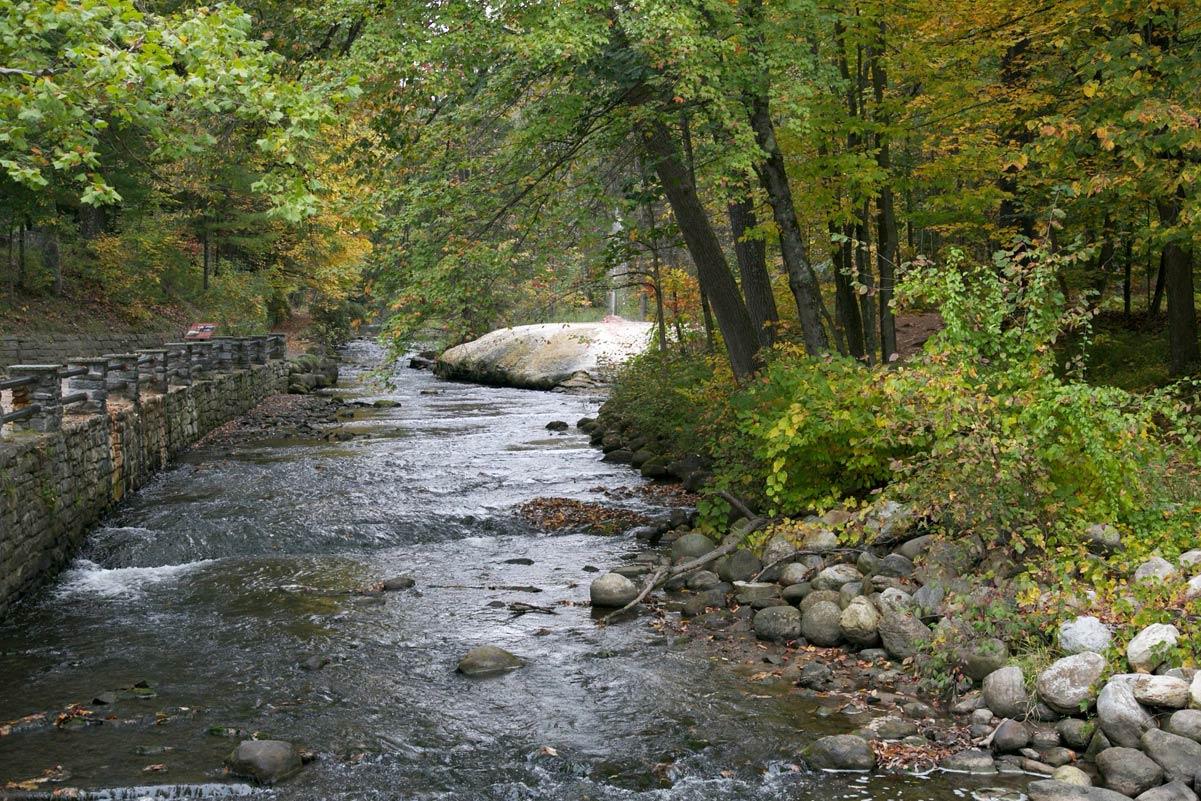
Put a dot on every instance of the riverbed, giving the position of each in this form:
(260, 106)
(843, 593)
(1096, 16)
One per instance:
(225, 600)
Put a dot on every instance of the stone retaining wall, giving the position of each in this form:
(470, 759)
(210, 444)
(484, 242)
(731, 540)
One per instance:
(54, 486)
(55, 348)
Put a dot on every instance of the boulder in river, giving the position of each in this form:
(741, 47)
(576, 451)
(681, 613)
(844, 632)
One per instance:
(821, 624)
(487, 660)
(545, 356)
(1128, 770)
(1005, 692)
(264, 761)
(841, 752)
(1051, 790)
(691, 546)
(612, 590)
(397, 583)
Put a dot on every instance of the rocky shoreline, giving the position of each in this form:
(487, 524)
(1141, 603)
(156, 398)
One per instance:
(857, 624)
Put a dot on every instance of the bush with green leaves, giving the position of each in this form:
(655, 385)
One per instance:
(1005, 442)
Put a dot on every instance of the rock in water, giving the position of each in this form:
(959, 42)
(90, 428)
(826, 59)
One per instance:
(1069, 684)
(265, 761)
(1051, 790)
(841, 752)
(485, 660)
(612, 590)
(545, 356)
(397, 583)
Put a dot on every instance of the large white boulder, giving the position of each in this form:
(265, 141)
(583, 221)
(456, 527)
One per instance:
(546, 356)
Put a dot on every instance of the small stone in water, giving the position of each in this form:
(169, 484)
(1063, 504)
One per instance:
(485, 660)
(398, 583)
(265, 761)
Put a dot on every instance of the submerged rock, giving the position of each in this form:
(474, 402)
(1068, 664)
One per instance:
(973, 760)
(1052, 790)
(486, 660)
(265, 761)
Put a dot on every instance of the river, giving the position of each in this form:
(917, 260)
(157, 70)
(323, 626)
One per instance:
(212, 585)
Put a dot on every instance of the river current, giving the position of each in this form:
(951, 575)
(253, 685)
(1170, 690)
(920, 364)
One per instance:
(193, 607)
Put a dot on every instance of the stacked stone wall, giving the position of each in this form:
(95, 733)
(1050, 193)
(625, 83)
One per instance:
(55, 348)
(54, 486)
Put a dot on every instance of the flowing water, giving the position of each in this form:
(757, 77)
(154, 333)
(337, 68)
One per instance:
(212, 584)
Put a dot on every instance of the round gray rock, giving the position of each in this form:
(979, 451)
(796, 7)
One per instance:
(612, 590)
(1186, 723)
(1084, 634)
(1005, 693)
(264, 761)
(860, 622)
(1122, 717)
(1179, 756)
(741, 565)
(1128, 770)
(1155, 569)
(794, 573)
(903, 635)
(841, 752)
(1010, 736)
(691, 546)
(486, 660)
(777, 623)
(1070, 685)
(821, 624)
(1168, 692)
(1051, 790)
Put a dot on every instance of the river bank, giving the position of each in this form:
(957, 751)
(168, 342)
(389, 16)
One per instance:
(870, 607)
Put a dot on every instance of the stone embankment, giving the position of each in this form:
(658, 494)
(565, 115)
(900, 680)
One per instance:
(56, 348)
(550, 356)
(1081, 730)
(77, 438)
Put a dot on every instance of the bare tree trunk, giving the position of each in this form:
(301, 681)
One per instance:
(742, 342)
(1156, 306)
(205, 239)
(752, 267)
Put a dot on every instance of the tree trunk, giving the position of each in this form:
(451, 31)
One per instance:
(1156, 304)
(206, 260)
(887, 240)
(742, 342)
(866, 288)
(21, 254)
(801, 278)
(52, 258)
(844, 293)
(1127, 276)
(752, 267)
(1184, 355)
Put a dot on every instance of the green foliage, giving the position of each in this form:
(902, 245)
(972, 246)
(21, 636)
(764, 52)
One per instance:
(1012, 447)
(808, 431)
(669, 398)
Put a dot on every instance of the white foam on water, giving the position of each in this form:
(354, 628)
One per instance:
(85, 577)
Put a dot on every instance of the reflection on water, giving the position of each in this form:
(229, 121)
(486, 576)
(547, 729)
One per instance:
(215, 584)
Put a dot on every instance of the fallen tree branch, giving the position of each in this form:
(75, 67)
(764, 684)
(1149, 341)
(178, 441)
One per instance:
(739, 506)
(666, 573)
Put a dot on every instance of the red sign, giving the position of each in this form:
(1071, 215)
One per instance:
(200, 331)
